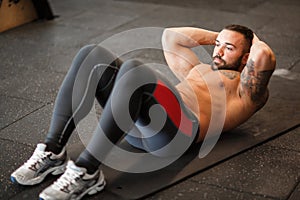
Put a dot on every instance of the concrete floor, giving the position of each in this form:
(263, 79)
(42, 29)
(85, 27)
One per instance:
(35, 58)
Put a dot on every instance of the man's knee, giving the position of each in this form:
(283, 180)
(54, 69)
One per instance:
(130, 64)
(132, 68)
(92, 54)
(84, 52)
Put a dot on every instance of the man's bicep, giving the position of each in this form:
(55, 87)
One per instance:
(254, 83)
(257, 72)
(180, 60)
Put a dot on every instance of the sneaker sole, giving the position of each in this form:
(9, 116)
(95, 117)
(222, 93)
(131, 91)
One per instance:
(90, 191)
(93, 190)
(96, 188)
(54, 171)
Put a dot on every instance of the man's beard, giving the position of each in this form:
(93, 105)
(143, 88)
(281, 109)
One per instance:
(223, 65)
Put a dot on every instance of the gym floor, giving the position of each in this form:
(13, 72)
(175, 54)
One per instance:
(36, 56)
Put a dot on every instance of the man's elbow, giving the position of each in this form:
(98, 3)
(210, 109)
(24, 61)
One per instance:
(167, 37)
(265, 52)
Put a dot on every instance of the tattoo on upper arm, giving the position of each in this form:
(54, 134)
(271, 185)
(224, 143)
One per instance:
(254, 83)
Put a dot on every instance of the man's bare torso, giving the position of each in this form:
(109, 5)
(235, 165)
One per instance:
(210, 93)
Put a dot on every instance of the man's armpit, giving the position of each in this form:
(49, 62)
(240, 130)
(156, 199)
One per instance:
(254, 83)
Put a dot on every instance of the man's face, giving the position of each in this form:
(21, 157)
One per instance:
(229, 51)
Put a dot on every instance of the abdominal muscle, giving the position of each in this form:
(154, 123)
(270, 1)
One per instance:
(212, 97)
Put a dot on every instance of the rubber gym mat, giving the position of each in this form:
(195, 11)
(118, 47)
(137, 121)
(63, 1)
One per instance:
(277, 117)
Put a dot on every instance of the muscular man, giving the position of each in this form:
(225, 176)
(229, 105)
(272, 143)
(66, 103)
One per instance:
(244, 63)
(240, 72)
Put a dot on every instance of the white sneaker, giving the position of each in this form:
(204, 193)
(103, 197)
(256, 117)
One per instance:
(39, 165)
(74, 184)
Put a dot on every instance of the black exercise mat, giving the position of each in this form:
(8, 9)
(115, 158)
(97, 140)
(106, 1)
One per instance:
(279, 115)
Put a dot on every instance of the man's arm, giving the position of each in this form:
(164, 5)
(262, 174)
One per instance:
(257, 72)
(177, 44)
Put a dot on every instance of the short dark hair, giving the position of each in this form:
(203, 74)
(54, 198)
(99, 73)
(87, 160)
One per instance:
(247, 32)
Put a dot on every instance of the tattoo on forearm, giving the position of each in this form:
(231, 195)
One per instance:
(254, 83)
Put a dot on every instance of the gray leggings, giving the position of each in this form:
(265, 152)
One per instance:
(96, 72)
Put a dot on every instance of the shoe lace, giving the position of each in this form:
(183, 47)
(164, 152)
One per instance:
(37, 158)
(69, 178)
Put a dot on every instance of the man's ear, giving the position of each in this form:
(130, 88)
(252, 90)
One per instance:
(245, 58)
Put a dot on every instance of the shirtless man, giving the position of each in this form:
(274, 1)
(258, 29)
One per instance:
(244, 63)
(241, 69)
